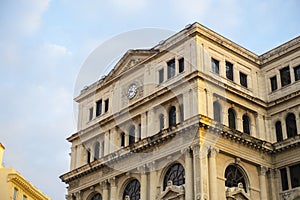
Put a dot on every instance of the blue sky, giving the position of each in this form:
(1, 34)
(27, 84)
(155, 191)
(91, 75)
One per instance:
(44, 43)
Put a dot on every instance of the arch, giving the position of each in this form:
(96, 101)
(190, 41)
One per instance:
(161, 122)
(96, 150)
(176, 174)
(231, 118)
(131, 134)
(217, 111)
(96, 196)
(291, 128)
(234, 175)
(172, 116)
(132, 190)
(246, 124)
(278, 129)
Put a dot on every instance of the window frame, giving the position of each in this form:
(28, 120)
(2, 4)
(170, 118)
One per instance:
(297, 73)
(98, 107)
(215, 66)
(273, 82)
(171, 66)
(285, 76)
(229, 70)
(180, 65)
(244, 79)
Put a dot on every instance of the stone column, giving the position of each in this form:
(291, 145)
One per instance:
(260, 129)
(144, 186)
(113, 188)
(104, 190)
(144, 125)
(297, 123)
(188, 175)
(213, 186)
(197, 170)
(273, 179)
(151, 125)
(153, 181)
(262, 182)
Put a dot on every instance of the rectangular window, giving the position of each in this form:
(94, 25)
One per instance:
(243, 79)
(295, 175)
(285, 76)
(229, 70)
(297, 73)
(106, 105)
(161, 76)
(273, 83)
(98, 107)
(171, 68)
(15, 194)
(215, 66)
(284, 179)
(91, 110)
(181, 65)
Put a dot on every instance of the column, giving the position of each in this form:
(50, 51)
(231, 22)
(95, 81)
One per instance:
(213, 187)
(78, 195)
(113, 188)
(153, 181)
(151, 125)
(177, 113)
(283, 126)
(209, 105)
(104, 190)
(297, 123)
(144, 186)
(197, 171)
(106, 143)
(259, 127)
(273, 180)
(188, 175)
(262, 182)
(73, 157)
(144, 125)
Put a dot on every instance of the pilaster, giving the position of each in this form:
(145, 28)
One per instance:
(263, 182)
(213, 187)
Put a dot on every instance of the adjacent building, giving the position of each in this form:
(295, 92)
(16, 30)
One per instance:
(195, 117)
(14, 186)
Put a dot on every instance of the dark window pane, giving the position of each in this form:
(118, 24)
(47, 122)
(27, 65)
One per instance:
(176, 174)
(231, 118)
(215, 66)
(132, 190)
(243, 79)
(171, 68)
(181, 113)
(161, 76)
(297, 73)
(91, 110)
(234, 176)
(278, 131)
(172, 116)
(131, 134)
(295, 175)
(246, 124)
(161, 122)
(181, 65)
(140, 132)
(96, 151)
(122, 139)
(88, 156)
(98, 107)
(273, 83)
(217, 112)
(285, 76)
(284, 179)
(106, 105)
(229, 70)
(291, 127)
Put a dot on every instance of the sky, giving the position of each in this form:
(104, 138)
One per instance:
(45, 43)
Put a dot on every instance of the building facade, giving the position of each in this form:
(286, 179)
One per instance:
(15, 187)
(195, 117)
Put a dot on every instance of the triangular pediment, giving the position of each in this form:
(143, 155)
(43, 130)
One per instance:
(173, 192)
(236, 193)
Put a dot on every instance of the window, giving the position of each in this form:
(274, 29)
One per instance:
(231, 118)
(161, 76)
(131, 134)
(181, 65)
(284, 179)
(234, 176)
(285, 76)
(97, 197)
(215, 65)
(96, 150)
(91, 110)
(171, 68)
(161, 122)
(172, 116)
(98, 107)
(106, 105)
(278, 131)
(176, 174)
(140, 132)
(229, 70)
(243, 79)
(246, 124)
(132, 190)
(295, 175)
(122, 139)
(291, 127)
(273, 83)
(15, 194)
(24, 197)
(88, 156)
(297, 73)
(217, 112)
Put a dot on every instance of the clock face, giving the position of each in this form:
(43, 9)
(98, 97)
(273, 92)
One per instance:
(131, 91)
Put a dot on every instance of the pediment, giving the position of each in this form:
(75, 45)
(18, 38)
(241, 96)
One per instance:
(236, 193)
(173, 192)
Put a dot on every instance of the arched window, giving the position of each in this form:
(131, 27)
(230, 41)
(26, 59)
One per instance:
(131, 134)
(96, 150)
(246, 124)
(97, 197)
(217, 112)
(132, 190)
(176, 174)
(172, 116)
(161, 122)
(88, 156)
(291, 128)
(278, 131)
(122, 139)
(231, 118)
(234, 176)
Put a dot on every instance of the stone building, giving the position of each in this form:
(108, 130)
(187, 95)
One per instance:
(195, 117)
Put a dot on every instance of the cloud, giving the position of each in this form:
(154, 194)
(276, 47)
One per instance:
(129, 5)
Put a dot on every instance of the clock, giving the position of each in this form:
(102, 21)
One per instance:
(131, 91)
